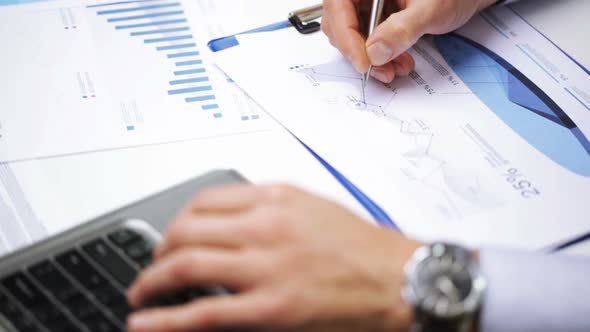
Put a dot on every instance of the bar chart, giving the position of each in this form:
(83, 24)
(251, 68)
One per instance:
(113, 74)
(162, 27)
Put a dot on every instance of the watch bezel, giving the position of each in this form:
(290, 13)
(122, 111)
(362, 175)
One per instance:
(467, 306)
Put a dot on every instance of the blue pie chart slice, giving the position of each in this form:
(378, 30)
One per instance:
(517, 101)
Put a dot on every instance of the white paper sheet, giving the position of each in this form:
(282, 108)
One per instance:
(39, 198)
(84, 76)
(467, 148)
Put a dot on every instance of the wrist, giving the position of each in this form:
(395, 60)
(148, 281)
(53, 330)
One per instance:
(400, 312)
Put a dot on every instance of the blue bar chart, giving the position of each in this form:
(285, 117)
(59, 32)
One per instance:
(161, 25)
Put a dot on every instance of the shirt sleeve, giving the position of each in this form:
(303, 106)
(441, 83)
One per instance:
(534, 292)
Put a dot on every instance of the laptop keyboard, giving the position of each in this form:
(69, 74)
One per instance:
(82, 289)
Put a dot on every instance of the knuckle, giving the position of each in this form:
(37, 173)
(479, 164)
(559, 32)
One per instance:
(204, 196)
(177, 231)
(278, 307)
(210, 319)
(182, 266)
(403, 34)
(277, 223)
(280, 193)
(277, 226)
(269, 224)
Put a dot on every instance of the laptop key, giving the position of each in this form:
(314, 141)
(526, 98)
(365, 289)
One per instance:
(62, 326)
(49, 276)
(47, 313)
(123, 237)
(18, 318)
(108, 295)
(104, 255)
(8, 308)
(121, 311)
(24, 290)
(26, 324)
(139, 250)
(100, 323)
(76, 265)
(82, 308)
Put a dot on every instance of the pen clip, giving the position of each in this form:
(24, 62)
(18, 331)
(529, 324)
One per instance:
(304, 19)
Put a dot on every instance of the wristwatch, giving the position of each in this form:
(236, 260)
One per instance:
(445, 286)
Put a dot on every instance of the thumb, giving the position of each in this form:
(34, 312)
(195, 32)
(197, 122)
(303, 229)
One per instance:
(396, 35)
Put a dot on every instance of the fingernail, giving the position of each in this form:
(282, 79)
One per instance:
(139, 322)
(381, 76)
(379, 54)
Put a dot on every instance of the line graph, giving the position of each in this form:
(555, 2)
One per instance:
(454, 190)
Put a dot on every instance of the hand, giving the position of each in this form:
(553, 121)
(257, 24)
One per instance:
(405, 21)
(294, 262)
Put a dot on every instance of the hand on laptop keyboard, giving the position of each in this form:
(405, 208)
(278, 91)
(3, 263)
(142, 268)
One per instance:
(81, 289)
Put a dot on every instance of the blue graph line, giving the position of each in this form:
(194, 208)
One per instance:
(189, 71)
(182, 55)
(210, 107)
(119, 3)
(167, 39)
(175, 47)
(141, 17)
(189, 63)
(199, 98)
(159, 31)
(148, 24)
(190, 90)
(190, 80)
(135, 9)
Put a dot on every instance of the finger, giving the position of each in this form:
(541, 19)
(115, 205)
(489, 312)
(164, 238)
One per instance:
(404, 64)
(229, 198)
(385, 73)
(202, 231)
(326, 28)
(189, 268)
(344, 24)
(208, 314)
(396, 35)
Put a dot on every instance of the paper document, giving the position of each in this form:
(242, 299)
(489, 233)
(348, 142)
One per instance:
(486, 142)
(39, 198)
(85, 76)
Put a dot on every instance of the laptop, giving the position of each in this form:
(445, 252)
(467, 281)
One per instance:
(76, 281)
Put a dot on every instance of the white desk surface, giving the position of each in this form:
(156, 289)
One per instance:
(566, 23)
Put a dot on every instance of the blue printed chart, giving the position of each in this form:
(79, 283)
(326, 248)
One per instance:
(120, 74)
(518, 102)
(163, 25)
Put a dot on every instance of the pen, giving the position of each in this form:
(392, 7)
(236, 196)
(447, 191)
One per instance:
(376, 13)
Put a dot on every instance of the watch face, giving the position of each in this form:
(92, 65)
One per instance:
(444, 281)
